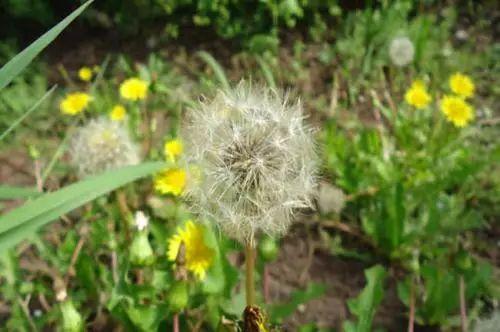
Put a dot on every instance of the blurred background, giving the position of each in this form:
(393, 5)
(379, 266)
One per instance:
(406, 220)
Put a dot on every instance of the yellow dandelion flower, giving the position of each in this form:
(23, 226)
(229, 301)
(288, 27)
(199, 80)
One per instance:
(85, 74)
(462, 85)
(199, 256)
(117, 113)
(134, 89)
(417, 95)
(74, 103)
(457, 110)
(170, 181)
(173, 149)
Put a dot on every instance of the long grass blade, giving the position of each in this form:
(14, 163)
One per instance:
(24, 221)
(9, 192)
(12, 68)
(217, 69)
(266, 71)
(25, 115)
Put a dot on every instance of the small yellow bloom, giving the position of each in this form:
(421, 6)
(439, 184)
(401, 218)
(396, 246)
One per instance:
(75, 103)
(457, 110)
(85, 74)
(134, 89)
(417, 95)
(118, 113)
(170, 181)
(462, 85)
(199, 256)
(173, 149)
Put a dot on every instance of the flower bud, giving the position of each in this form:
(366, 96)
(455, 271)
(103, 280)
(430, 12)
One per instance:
(72, 320)
(463, 261)
(178, 296)
(268, 249)
(141, 252)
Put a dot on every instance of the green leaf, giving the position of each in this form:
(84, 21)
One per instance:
(313, 290)
(8, 192)
(12, 68)
(214, 281)
(28, 112)
(365, 304)
(24, 221)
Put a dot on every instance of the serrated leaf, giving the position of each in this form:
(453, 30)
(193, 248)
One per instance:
(366, 303)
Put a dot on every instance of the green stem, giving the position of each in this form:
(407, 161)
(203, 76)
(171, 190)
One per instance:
(249, 273)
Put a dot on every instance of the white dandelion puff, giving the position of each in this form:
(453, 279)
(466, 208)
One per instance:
(401, 51)
(256, 160)
(102, 145)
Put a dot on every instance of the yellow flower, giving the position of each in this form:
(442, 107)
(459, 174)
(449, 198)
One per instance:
(75, 103)
(417, 95)
(118, 113)
(199, 256)
(85, 74)
(170, 181)
(172, 149)
(134, 89)
(457, 110)
(462, 85)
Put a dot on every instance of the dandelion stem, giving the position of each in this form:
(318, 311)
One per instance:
(176, 323)
(463, 308)
(249, 271)
(411, 321)
(265, 283)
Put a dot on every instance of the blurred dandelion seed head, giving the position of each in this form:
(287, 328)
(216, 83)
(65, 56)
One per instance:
(401, 51)
(256, 160)
(102, 145)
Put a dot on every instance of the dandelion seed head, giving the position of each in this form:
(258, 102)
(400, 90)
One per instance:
(401, 51)
(102, 145)
(256, 160)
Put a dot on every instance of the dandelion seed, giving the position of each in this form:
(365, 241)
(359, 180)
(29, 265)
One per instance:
(85, 74)
(462, 85)
(256, 160)
(102, 145)
(401, 51)
(173, 149)
(457, 110)
(74, 103)
(199, 256)
(134, 89)
(170, 181)
(417, 95)
(117, 113)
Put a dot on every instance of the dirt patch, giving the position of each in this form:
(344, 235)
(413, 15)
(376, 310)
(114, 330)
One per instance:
(344, 279)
